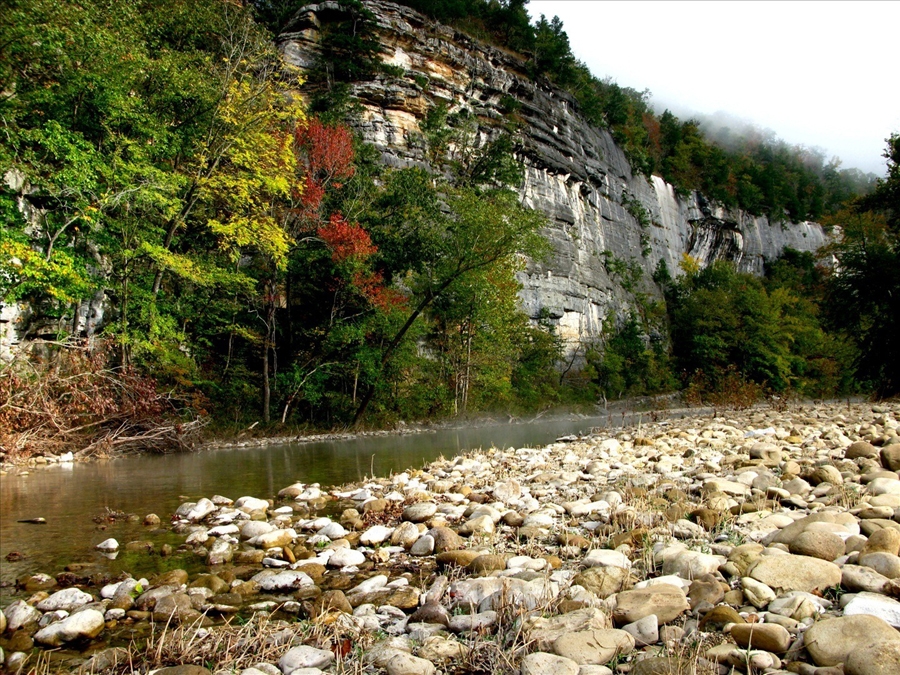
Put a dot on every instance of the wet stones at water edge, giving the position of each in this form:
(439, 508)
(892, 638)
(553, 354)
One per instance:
(772, 535)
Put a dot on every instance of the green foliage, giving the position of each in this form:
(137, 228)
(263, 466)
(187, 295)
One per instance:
(631, 360)
(863, 295)
(727, 325)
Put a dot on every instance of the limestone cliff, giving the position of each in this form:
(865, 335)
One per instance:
(575, 173)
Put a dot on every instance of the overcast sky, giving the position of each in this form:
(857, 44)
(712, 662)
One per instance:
(820, 74)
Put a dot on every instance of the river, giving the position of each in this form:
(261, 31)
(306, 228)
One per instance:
(71, 496)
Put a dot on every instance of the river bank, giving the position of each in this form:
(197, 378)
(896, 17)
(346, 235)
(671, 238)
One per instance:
(757, 540)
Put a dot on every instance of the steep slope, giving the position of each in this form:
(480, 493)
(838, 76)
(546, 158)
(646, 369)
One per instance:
(603, 219)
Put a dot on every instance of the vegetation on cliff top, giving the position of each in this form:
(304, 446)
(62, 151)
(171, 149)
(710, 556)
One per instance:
(755, 171)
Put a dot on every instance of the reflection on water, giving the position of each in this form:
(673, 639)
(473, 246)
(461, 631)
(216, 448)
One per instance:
(70, 496)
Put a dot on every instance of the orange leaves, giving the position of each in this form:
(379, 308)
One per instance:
(347, 241)
(351, 248)
(328, 149)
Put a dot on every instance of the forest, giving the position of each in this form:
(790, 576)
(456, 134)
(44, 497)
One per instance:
(195, 245)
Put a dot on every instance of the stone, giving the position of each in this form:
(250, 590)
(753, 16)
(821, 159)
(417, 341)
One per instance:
(541, 663)
(331, 601)
(405, 535)
(424, 545)
(407, 664)
(66, 599)
(823, 545)
(439, 649)
(174, 607)
(826, 474)
(285, 580)
(464, 623)
(830, 641)
(796, 573)
(508, 491)
(855, 578)
(860, 449)
(377, 534)
(457, 558)
(543, 632)
(886, 564)
(644, 631)
(594, 647)
(876, 605)
(478, 525)
(445, 539)
(304, 657)
(602, 557)
(345, 557)
(718, 617)
(665, 665)
(890, 457)
(185, 669)
(108, 545)
(603, 581)
(431, 612)
(19, 614)
(667, 602)
(705, 589)
(886, 540)
(419, 512)
(691, 564)
(877, 658)
(88, 623)
(768, 636)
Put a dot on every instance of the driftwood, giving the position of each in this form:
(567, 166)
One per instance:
(68, 398)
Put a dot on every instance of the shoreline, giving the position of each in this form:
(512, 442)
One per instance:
(594, 533)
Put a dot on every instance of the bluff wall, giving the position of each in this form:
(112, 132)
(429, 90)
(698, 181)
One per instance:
(574, 172)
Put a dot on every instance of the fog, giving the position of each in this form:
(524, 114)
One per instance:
(821, 75)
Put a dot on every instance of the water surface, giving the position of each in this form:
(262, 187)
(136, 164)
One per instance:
(71, 496)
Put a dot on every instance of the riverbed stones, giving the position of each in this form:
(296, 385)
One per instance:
(87, 623)
(795, 573)
(875, 605)
(420, 512)
(594, 647)
(286, 580)
(542, 663)
(831, 641)
(877, 658)
(558, 539)
(304, 656)
(19, 614)
(768, 636)
(667, 602)
(67, 600)
(603, 581)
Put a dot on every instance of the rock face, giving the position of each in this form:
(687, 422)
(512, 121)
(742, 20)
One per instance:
(574, 172)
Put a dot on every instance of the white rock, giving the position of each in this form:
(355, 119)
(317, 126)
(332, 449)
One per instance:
(20, 613)
(375, 535)
(304, 657)
(333, 531)
(344, 557)
(66, 599)
(877, 605)
(201, 509)
(85, 624)
(254, 528)
(249, 504)
(271, 580)
(108, 545)
(603, 557)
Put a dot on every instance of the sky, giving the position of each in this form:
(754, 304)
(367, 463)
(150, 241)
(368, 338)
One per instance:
(821, 74)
